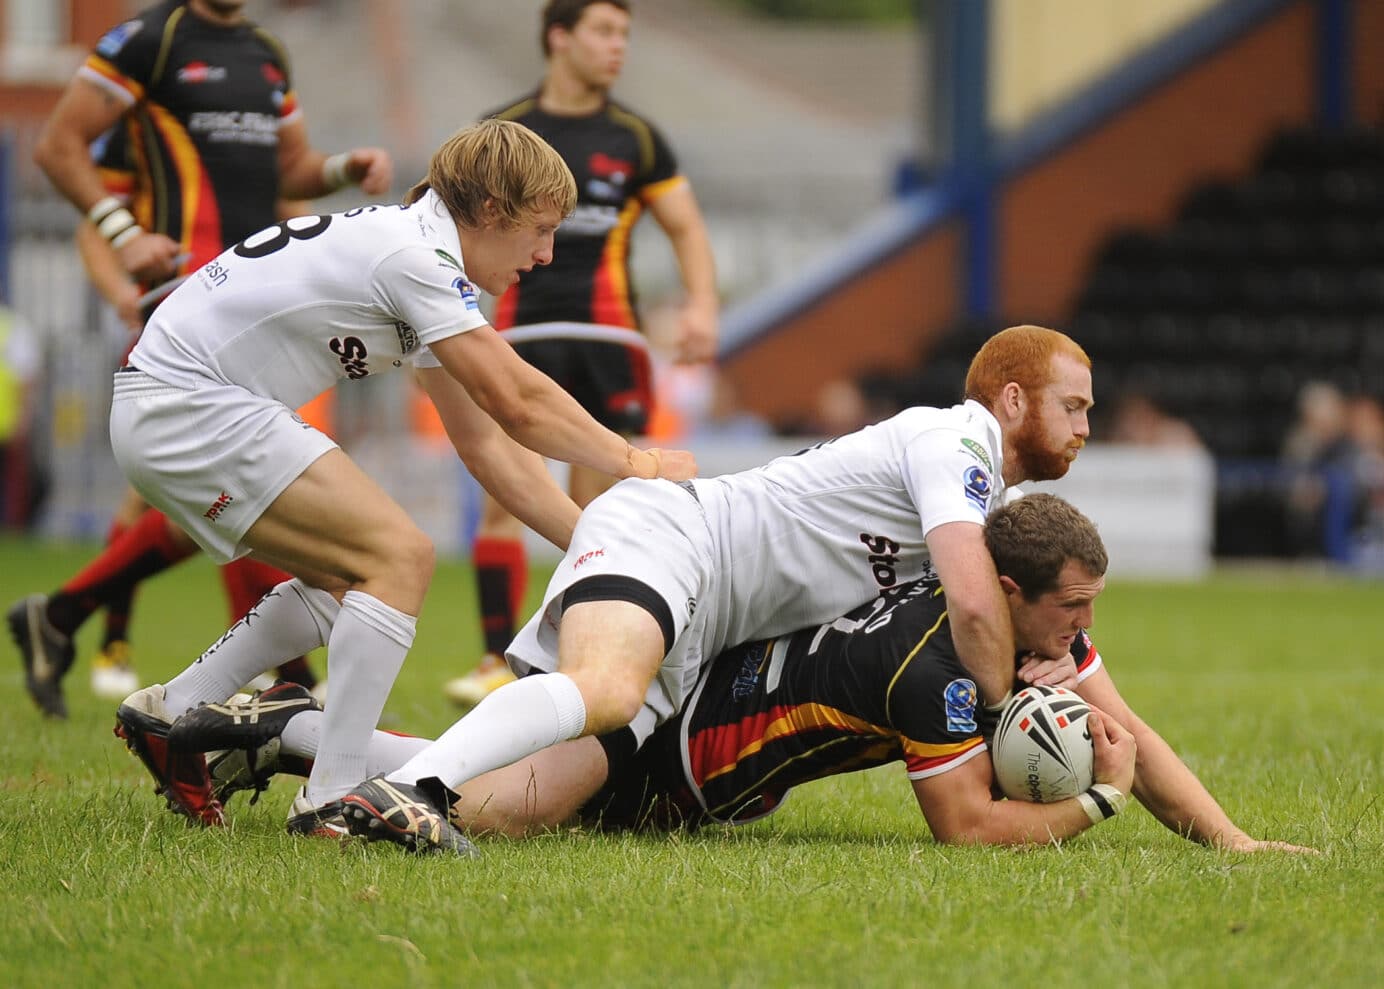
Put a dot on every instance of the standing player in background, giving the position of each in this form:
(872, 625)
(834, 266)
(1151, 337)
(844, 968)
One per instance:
(203, 102)
(622, 166)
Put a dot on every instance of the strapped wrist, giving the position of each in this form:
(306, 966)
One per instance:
(114, 222)
(998, 706)
(334, 174)
(1102, 802)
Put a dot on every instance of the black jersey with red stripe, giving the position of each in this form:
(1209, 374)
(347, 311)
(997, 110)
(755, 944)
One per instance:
(206, 103)
(882, 684)
(621, 164)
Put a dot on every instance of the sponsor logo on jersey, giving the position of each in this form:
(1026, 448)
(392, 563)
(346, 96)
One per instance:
(447, 259)
(272, 75)
(587, 557)
(747, 677)
(408, 337)
(109, 46)
(589, 221)
(218, 506)
(351, 353)
(608, 177)
(976, 483)
(959, 698)
(883, 558)
(213, 274)
(235, 127)
(977, 451)
(195, 72)
(468, 293)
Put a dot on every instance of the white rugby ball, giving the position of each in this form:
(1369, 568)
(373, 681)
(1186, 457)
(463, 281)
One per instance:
(1042, 749)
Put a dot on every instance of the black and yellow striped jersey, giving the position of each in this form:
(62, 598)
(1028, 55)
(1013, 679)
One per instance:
(205, 104)
(621, 164)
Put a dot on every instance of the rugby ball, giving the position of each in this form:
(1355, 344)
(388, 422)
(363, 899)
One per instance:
(1042, 749)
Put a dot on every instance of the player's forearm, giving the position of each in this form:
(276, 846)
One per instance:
(696, 263)
(1172, 793)
(985, 643)
(1016, 822)
(549, 421)
(64, 158)
(300, 177)
(103, 265)
(518, 480)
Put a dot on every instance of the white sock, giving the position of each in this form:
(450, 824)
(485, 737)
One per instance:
(388, 751)
(514, 721)
(364, 655)
(292, 619)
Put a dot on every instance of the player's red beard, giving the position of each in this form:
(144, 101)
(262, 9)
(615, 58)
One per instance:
(1039, 462)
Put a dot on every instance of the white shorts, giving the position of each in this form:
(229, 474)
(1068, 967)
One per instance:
(212, 459)
(656, 533)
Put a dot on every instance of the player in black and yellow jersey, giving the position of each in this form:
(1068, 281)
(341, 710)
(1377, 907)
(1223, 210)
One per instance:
(623, 167)
(206, 139)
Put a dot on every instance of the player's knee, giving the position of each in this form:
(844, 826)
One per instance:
(613, 705)
(412, 557)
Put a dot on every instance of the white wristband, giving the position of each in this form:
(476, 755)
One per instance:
(334, 171)
(1102, 802)
(998, 706)
(104, 208)
(126, 235)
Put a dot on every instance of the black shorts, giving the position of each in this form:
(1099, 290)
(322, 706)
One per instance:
(609, 380)
(645, 790)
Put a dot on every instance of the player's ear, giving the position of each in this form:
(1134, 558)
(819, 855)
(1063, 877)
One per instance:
(490, 215)
(1010, 588)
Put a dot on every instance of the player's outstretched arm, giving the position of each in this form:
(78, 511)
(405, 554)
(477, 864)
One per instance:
(532, 409)
(1166, 786)
(961, 809)
(513, 475)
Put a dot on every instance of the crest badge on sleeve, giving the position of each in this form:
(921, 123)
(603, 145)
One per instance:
(116, 38)
(468, 292)
(976, 483)
(960, 699)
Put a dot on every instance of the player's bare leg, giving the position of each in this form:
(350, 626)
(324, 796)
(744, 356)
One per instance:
(501, 569)
(333, 525)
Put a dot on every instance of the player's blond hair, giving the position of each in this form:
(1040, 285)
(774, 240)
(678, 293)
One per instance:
(1022, 354)
(1031, 540)
(497, 169)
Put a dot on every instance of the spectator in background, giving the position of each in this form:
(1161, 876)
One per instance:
(844, 405)
(1140, 421)
(622, 166)
(1365, 425)
(1319, 458)
(20, 363)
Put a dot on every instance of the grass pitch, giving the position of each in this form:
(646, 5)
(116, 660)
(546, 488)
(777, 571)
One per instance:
(1270, 688)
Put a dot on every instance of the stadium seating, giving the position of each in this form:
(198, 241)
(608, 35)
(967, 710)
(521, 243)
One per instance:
(1258, 287)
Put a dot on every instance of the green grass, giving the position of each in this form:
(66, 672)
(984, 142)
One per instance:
(1270, 687)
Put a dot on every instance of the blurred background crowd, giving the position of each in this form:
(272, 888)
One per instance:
(1193, 189)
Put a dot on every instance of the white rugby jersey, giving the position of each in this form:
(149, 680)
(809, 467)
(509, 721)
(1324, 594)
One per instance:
(289, 311)
(807, 538)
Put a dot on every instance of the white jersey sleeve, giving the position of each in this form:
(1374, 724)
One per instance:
(949, 477)
(429, 291)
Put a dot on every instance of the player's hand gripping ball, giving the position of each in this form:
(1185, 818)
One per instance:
(1042, 748)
